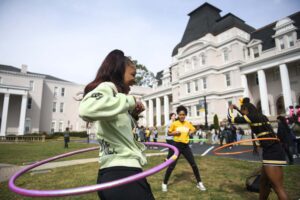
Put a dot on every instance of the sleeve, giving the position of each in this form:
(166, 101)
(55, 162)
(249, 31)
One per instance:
(238, 119)
(192, 128)
(103, 103)
(172, 127)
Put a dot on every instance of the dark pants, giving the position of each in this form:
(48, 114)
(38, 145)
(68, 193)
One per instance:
(288, 152)
(185, 150)
(138, 190)
(66, 142)
(171, 152)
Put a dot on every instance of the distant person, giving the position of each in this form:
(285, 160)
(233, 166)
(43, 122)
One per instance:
(181, 129)
(67, 137)
(169, 138)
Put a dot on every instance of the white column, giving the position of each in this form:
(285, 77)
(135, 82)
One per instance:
(158, 112)
(286, 87)
(245, 85)
(4, 114)
(166, 108)
(22, 115)
(150, 113)
(144, 114)
(263, 91)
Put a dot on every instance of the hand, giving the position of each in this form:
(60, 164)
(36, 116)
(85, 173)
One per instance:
(139, 107)
(177, 133)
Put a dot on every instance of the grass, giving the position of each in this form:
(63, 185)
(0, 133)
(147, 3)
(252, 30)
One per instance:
(224, 179)
(20, 153)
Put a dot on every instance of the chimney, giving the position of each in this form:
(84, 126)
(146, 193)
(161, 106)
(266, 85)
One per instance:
(24, 69)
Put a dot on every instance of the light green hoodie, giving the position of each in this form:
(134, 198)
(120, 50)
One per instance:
(109, 110)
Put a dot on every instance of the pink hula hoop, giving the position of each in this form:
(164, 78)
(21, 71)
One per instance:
(91, 188)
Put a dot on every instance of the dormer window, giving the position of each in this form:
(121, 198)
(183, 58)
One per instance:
(281, 43)
(291, 40)
(203, 59)
(225, 55)
(255, 52)
(285, 33)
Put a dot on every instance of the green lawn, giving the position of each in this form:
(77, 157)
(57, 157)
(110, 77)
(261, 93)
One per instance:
(223, 177)
(20, 153)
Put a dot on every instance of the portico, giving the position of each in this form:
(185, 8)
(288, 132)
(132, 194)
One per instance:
(7, 91)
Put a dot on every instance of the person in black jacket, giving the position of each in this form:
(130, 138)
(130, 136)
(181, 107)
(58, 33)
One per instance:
(272, 152)
(286, 138)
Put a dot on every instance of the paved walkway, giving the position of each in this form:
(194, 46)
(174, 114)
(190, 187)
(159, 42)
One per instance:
(7, 170)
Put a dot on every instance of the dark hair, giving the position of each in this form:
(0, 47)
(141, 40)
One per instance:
(254, 112)
(112, 69)
(249, 106)
(171, 114)
(283, 121)
(181, 108)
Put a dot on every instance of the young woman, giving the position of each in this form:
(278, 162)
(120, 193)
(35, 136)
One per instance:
(181, 129)
(107, 103)
(273, 154)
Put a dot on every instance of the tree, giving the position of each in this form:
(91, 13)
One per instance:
(144, 77)
(216, 122)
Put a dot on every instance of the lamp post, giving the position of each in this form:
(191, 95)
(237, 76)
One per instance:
(205, 113)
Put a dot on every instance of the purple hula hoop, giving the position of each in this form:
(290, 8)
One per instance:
(91, 188)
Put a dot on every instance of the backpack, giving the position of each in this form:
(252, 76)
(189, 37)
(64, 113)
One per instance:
(252, 181)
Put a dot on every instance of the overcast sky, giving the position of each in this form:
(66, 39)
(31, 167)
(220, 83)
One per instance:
(70, 38)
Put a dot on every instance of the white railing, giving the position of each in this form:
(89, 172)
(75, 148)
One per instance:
(22, 138)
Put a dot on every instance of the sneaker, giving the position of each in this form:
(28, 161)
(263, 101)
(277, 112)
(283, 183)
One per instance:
(164, 187)
(201, 186)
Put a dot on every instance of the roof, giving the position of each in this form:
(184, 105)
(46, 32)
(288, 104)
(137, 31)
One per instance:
(265, 33)
(207, 19)
(18, 70)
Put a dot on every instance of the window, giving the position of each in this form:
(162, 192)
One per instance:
(53, 126)
(291, 40)
(31, 85)
(54, 107)
(55, 91)
(188, 87)
(255, 52)
(29, 103)
(225, 55)
(61, 107)
(189, 111)
(198, 109)
(196, 85)
(204, 84)
(281, 43)
(62, 92)
(60, 126)
(228, 81)
(203, 60)
(27, 125)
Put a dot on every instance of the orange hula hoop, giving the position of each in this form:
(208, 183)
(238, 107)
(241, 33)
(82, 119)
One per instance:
(215, 151)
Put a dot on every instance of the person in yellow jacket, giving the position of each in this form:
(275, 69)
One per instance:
(106, 103)
(181, 130)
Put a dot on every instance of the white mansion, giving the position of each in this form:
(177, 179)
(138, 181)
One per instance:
(220, 58)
